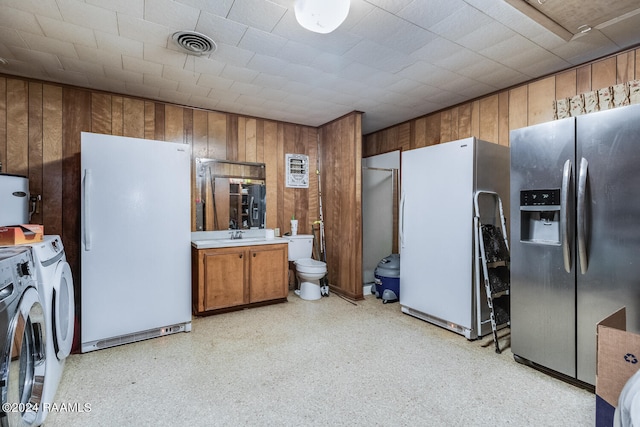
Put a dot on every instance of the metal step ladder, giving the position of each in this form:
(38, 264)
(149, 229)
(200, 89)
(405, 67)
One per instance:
(493, 256)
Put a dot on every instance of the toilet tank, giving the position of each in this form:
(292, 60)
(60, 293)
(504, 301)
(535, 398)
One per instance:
(300, 246)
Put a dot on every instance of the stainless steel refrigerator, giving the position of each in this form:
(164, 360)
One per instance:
(437, 247)
(575, 236)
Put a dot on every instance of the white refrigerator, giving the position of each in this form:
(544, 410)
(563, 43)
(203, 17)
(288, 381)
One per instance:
(437, 246)
(135, 240)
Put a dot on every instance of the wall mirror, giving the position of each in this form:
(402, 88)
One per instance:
(230, 195)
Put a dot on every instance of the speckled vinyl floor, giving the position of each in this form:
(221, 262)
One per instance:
(313, 363)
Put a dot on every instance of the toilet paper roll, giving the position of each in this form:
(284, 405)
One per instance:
(294, 227)
(269, 234)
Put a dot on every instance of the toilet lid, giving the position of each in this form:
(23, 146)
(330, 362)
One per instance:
(308, 262)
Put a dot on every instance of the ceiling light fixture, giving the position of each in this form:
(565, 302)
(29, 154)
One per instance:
(321, 16)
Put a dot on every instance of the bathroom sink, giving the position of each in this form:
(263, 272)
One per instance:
(221, 243)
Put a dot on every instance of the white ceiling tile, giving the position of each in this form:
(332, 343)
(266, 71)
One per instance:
(49, 45)
(19, 20)
(625, 32)
(159, 82)
(181, 75)
(456, 25)
(138, 65)
(270, 81)
(66, 32)
(115, 73)
(116, 44)
(393, 6)
(436, 50)
(263, 15)
(208, 65)
(47, 61)
(330, 63)
(163, 56)
(214, 82)
(427, 13)
(143, 31)
(174, 96)
(232, 55)
(261, 42)
(245, 88)
(47, 8)
(135, 8)
(378, 56)
(10, 37)
(298, 53)
(93, 55)
(79, 66)
(171, 14)
(240, 74)
(74, 78)
(485, 36)
(221, 30)
(420, 71)
(86, 15)
(141, 90)
(217, 7)
(459, 59)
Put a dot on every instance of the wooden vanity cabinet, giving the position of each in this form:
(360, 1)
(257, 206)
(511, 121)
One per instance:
(239, 277)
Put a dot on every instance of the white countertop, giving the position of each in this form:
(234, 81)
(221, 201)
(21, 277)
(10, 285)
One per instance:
(222, 239)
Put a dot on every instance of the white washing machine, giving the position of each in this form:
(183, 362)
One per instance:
(22, 339)
(55, 286)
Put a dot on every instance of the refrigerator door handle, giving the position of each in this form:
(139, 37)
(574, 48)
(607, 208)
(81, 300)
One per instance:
(581, 216)
(87, 209)
(401, 219)
(564, 215)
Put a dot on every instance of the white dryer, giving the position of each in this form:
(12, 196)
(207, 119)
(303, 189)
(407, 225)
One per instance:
(22, 348)
(55, 286)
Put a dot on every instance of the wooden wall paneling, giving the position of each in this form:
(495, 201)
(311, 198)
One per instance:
(583, 79)
(149, 120)
(187, 126)
(418, 134)
(251, 140)
(52, 156)
(356, 266)
(271, 165)
(432, 135)
(242, 139)
(289, 206)
(454, 123)
(503, 118)
(446, 126)
(625, 67)
(199, 146)
(35, 147)
(117, 115)
(159, 122)
(541, 95)
(174, 124)
(17, 127)
(133, 122)
(3, 124)
(217, 135)
(283, 219)
(312, 152)
(232, 137)
(603, 73)
(637, 63)
(518, 107)
(464, 120)
(101, 113)
(76, 118)
(260, 141)
(488, 119)
(566, 84)
(475, 118)
(404, 137)
(301, 195)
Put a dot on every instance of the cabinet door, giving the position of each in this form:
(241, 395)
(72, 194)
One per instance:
(268, 270)
(224, 276)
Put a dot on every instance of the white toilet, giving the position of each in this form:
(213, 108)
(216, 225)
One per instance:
(309, 271)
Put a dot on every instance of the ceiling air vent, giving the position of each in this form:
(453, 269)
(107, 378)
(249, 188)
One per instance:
(194, 43)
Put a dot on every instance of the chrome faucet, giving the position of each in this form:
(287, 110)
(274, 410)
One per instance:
(237, 234)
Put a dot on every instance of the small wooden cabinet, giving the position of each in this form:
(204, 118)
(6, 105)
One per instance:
(239, 277)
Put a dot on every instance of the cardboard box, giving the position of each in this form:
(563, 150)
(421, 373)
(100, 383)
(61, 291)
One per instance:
(18, 234)
(618, 358)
